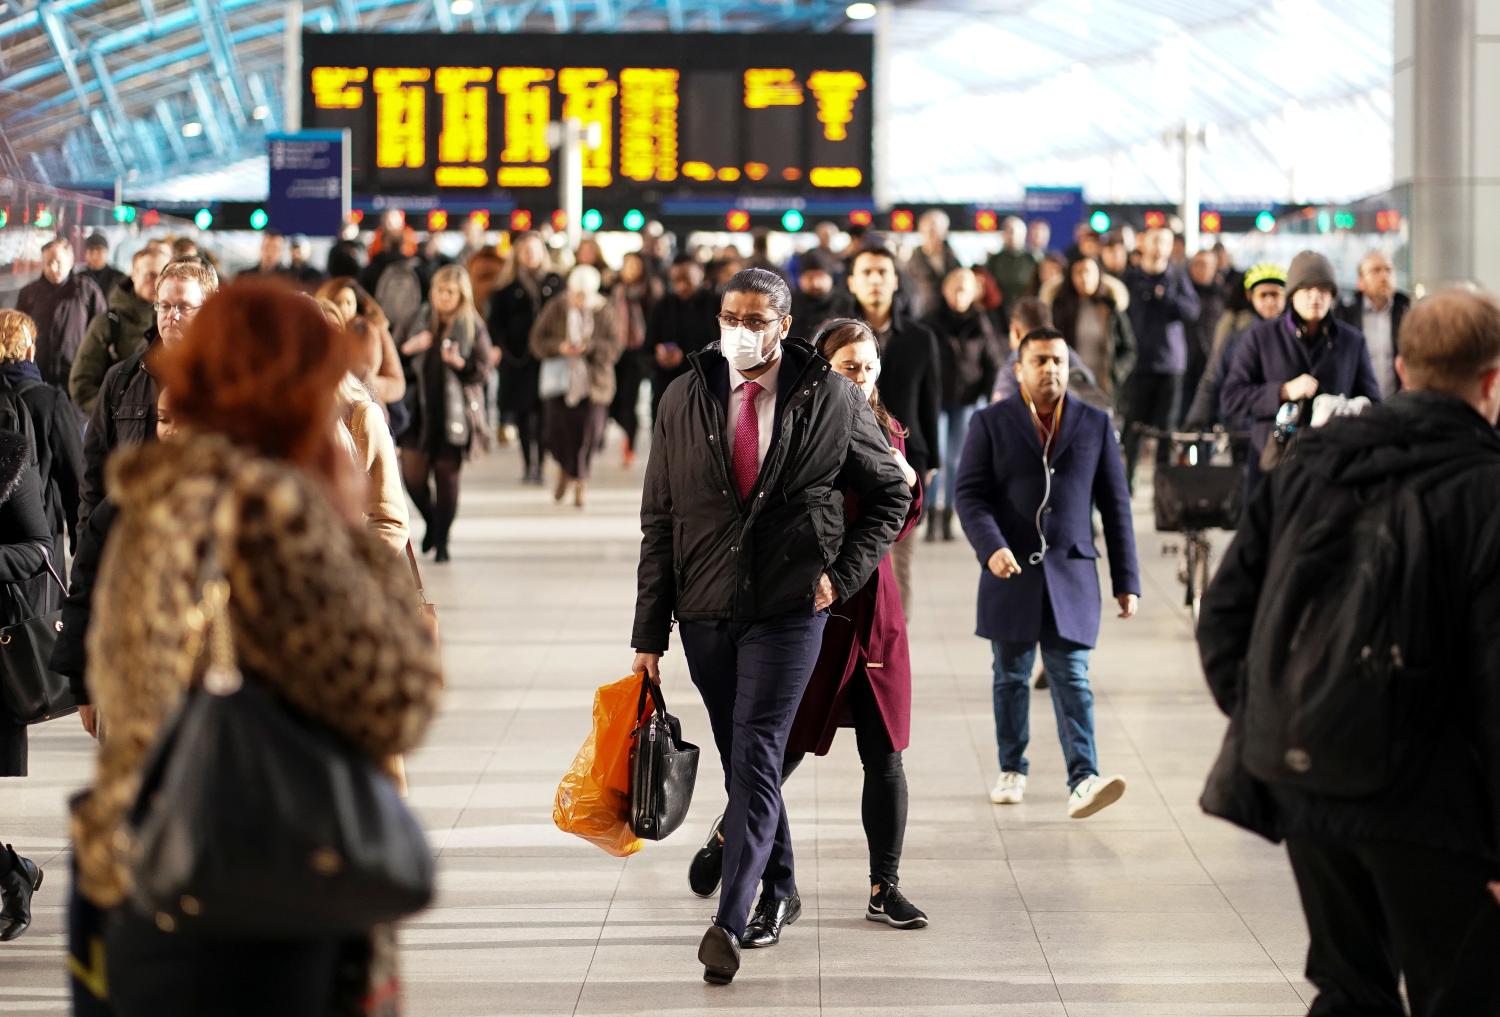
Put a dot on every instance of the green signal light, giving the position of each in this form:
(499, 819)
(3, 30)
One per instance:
(1099, 222)
(593, 220)
(124, 213)
(792, 220)
(4, 218)
(44, 218)
(1325, 221)
(1265, 222)
(259, 219)
(634, 220)
(203, 219)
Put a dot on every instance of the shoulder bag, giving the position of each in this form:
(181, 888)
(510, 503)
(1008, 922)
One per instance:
(663, 768)
(30, 691)
(255, 822)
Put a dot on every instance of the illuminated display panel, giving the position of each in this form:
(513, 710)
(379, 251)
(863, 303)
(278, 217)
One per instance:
(670, 115)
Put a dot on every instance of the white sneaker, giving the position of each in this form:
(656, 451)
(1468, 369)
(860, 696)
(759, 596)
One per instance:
(1009, 789)
(1094, 793)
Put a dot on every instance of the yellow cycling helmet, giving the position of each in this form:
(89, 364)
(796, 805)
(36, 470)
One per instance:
(1265, 271)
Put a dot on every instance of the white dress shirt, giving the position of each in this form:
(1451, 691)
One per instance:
(765, 406)
(1376, 326)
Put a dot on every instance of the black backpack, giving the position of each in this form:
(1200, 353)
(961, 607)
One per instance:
(1346, 642)
(15, 416)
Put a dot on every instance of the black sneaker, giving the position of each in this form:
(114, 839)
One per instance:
(890, 906)
(22, 878)
(707, 867)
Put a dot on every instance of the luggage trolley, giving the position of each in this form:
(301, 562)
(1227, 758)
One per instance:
(1200, 488)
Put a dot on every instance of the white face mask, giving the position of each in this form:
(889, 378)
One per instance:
(743, 348)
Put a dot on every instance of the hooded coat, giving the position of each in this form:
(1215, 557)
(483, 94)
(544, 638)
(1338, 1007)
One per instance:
(1450, 798)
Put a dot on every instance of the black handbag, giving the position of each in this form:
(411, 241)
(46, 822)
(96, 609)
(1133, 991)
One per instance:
(30, 691)
(254, 822)
(663, 769)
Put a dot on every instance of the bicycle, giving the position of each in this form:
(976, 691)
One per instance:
(1199, 488)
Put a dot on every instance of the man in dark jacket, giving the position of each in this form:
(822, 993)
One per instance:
(1034, 468)
(1297, 356)
(682, 323)
(1163, 304)
(1203, 273)
(97, 267)
(1375, 311)
(816, 300)
(910, 379)
(118, 333)
(1404, 880)
(62, 304)
(746, 545)
(514, 308)
(124, 415)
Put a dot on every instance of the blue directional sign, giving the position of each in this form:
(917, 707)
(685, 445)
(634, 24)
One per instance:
(309, 182)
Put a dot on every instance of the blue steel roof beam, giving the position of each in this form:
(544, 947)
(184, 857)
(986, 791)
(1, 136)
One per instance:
(442, 15)
(209, 114)
(606, 18)
(562, 15)
(40, 169)
(148, 11)
(171, 128)
(53, 26)
(221, 52)
(106, 137)
(116, 108)
(348, 14)
(30, 19)
(477, 16)
(674, 15)
(146, 143)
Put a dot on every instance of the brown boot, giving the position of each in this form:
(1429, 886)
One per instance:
(579, 491)
(561, 490)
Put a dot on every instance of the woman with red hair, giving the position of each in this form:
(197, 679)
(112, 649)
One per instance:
(254, 489)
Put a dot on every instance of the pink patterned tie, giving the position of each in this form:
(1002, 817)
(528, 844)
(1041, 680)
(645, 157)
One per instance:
(747, 441)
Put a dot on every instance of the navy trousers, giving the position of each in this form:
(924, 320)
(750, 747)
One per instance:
(752, 676)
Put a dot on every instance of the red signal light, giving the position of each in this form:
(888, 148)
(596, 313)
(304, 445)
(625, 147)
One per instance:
(1211, 222)
(1387, 220)
(482, 217)
(903, 221)
(738, 220)
(437, 221)
(986, 221)
(520, 221)
(861, 217)
(1156, 219)
(559, 220)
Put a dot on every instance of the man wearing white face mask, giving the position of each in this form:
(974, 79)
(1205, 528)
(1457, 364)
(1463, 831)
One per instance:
(745, 545)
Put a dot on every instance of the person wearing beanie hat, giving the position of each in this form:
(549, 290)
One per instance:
(1297, 355)
(96, 264)
(1265, 292)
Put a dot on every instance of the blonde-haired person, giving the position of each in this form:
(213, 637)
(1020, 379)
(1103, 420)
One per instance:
(365, 435)
(56, 426)
(576, 330)
(450, 350)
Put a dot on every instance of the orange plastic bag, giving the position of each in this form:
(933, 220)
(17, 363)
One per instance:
(593, 800)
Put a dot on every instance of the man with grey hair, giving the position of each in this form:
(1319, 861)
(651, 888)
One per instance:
(930, 263)
(1376, 310)
(62, 303)
(1013, 267)
(746, 547)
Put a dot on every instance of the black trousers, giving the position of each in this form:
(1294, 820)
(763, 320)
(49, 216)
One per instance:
(1378, 911)
(1150, 401)
(630, 371)
(883, 804)
(752, 676)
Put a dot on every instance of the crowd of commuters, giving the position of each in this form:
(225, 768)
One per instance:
(273, 431)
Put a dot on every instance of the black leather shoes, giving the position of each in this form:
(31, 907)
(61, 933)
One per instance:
(772, 915)
(707, 867)
(720, 955)
(16, 887)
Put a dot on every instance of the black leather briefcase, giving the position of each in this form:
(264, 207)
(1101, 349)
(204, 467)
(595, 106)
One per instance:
(663, 769)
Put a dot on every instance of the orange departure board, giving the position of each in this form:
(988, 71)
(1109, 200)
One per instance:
(669, 115)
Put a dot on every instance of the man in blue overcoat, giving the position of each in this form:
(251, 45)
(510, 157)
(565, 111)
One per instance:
(1034, 467)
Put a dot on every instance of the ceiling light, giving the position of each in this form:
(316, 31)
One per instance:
(462, 8)
(860, 11)
(192, 129)
(260, 112)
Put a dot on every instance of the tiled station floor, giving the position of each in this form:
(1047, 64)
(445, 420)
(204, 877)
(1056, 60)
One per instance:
(1149, 908)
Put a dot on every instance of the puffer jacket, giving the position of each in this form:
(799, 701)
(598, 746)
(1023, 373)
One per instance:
(708, 555)
(1450, 798)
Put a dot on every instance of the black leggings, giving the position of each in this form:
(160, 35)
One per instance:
(884, 802)
(432, 482)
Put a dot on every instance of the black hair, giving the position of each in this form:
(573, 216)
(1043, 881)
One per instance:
(767, 284)
(1040, 335)
(686, 259)
(878, 251)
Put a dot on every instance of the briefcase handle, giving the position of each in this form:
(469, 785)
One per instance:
(649, 687)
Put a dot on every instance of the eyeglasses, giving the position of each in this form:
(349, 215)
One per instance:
(177, 310)
(756, 325)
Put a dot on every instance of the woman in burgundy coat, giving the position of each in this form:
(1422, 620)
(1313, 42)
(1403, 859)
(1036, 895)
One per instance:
(863, 674)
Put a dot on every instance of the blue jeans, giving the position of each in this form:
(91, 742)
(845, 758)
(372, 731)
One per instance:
(1067, 665)
(953, 428)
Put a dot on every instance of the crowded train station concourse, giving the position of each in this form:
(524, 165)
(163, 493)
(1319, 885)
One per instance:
(524, 508)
